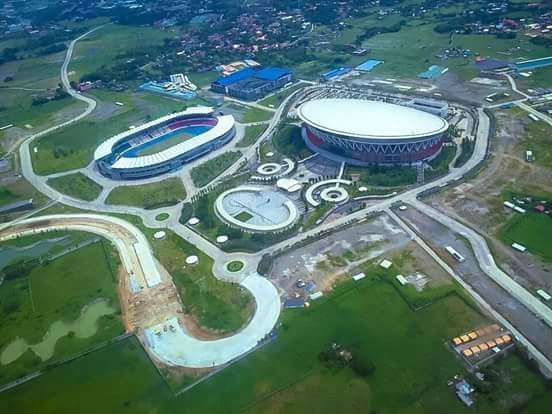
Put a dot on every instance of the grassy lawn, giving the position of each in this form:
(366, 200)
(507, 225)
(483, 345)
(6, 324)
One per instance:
(121, 373)
(73, 147)
(76, 185)
(244, 216)
(154, 195)
(42, 294)
(235, 266)
(216, 305)
(107, 46)
(256, 115)
(406, 349)
(531, 230)
(252, 133)
(277, 98)
(204, 173)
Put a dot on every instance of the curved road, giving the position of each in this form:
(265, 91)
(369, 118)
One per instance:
(175, 346)
(478, 243)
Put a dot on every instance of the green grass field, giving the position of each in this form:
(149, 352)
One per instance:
(76, 185)
(216, 305)
(58, 291)
(407, 350)
(73, 147)
(255, 115)
(531, 230)
(154, 195)
(121, 374)
(252, 132)
(204, 173)
(108, 45)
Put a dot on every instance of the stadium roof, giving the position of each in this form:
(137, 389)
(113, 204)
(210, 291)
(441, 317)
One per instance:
(106, 147)
(370, 119)
(224, 124)
(271, 73)
(235, 77)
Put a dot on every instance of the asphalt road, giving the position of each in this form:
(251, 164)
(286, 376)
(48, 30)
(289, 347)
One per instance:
(478, 243)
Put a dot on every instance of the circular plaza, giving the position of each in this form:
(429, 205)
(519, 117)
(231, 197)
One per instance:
(256, 209)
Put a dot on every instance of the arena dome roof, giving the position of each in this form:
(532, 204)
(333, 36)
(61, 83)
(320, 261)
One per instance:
(363, 119)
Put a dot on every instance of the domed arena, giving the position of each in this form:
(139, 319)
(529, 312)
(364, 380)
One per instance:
(361, 132)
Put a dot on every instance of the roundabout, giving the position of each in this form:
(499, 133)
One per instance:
(235, 266)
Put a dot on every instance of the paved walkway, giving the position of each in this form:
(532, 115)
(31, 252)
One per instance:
(266, 296)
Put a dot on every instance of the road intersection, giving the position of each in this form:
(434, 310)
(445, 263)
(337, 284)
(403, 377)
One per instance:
(181, 348)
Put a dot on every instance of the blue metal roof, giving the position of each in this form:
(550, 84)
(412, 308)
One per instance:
(235, 77)
(272, 73)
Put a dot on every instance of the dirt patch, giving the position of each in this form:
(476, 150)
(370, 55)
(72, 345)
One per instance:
(479, 202)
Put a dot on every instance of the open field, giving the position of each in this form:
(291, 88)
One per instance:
(60, 151)
(154, 195)
(43, 297)
(412, 50)
(76, 185)
(255, 115)
(121, 373)
(204, 173)
(406, 350)
(532, 230)
(252, 132)
(109, 45)
(537, 139)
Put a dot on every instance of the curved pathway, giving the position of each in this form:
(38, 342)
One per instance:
(216, 355)
(173, 346)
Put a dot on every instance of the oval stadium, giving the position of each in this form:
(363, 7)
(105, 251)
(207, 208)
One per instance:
(361, 132)
(164, 144)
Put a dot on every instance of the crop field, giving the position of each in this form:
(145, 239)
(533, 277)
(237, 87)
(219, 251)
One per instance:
(76, 185)
(152, 195)
(405, 350)
(42, 296)
(60, 151)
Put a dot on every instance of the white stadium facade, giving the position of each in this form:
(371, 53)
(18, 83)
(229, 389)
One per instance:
(164, 144)
(361, 132)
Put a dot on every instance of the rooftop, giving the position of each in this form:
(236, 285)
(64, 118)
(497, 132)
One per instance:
(370, 119)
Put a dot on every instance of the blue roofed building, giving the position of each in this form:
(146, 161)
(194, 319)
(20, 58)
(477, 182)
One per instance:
(252, 83)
